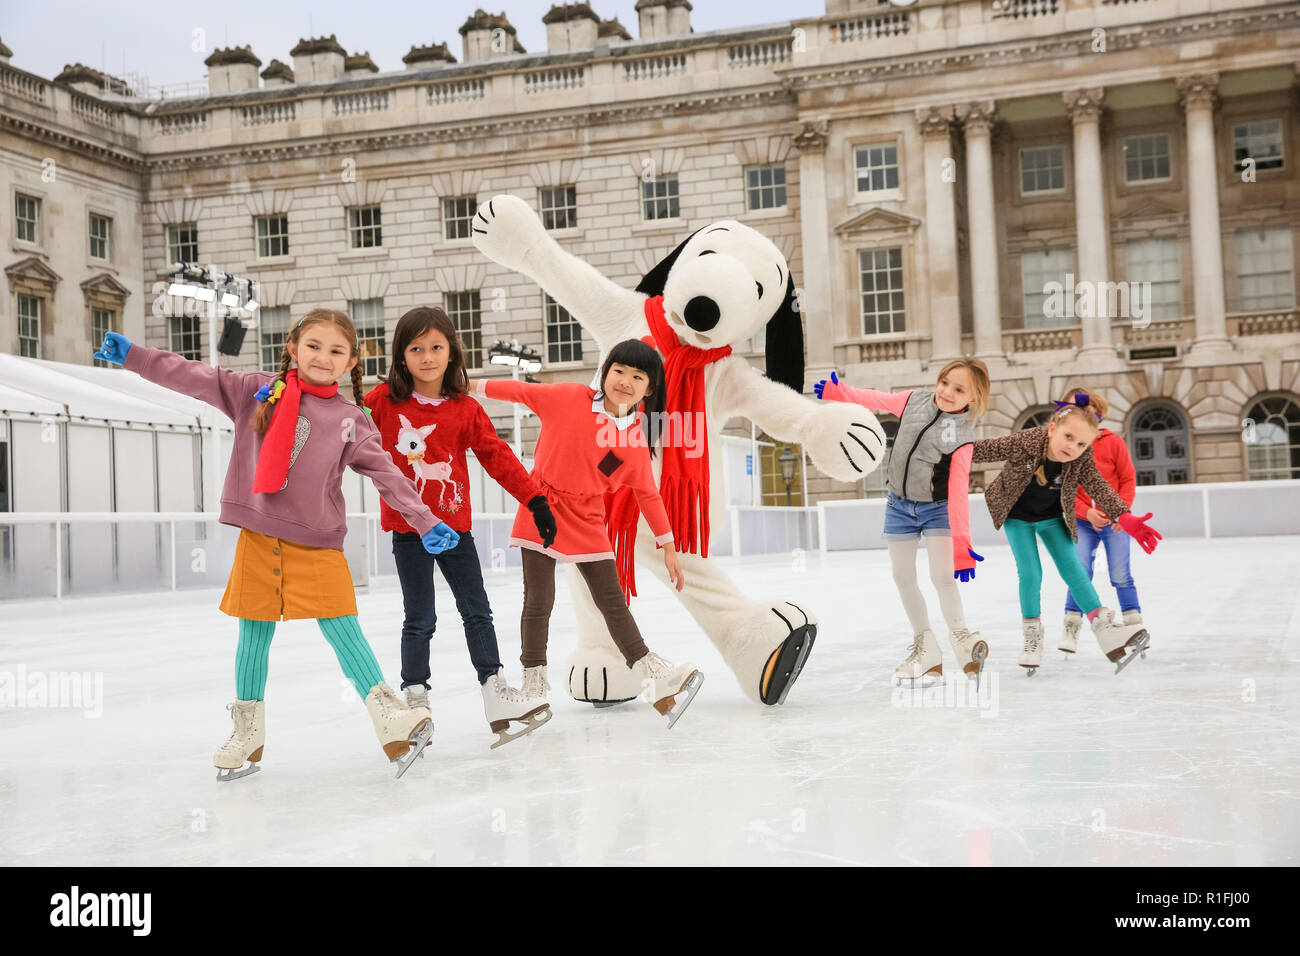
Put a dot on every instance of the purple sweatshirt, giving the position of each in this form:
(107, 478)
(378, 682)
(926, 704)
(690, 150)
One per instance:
(339, 435)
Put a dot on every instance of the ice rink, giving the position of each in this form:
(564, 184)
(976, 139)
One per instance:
(1187, 757)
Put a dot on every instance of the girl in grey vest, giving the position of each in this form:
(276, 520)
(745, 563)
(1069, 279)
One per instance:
(928, 474)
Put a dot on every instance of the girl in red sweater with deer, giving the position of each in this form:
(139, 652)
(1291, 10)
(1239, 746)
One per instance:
(427, 421)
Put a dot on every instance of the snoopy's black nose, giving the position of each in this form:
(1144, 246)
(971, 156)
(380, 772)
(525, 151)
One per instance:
(701, 313)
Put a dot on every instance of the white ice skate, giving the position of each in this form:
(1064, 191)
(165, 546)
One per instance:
(1132, 617)
(971, 652)
(923, 660)
(1070, 633)
(535, 682)
(245, 741)
(417, 695)
(402, 731)
(670, 688)
(1031, 655)
(1121, 643)
(503, 704)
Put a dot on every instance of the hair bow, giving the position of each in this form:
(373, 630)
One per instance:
(269, 393)
(1081, 400)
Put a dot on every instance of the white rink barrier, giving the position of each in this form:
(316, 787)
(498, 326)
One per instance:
(59, 554)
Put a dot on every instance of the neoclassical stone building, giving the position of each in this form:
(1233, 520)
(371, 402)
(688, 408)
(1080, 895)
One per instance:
(1097, 192)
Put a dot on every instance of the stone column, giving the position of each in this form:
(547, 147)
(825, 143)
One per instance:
(1092, 256)
(985, 274)
(820, 324)
(1199, 95)
(940, 232)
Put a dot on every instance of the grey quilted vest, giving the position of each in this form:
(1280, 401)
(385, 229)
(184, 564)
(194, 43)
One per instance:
(923, 448)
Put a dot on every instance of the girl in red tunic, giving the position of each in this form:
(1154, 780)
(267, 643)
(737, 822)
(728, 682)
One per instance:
(591, 445)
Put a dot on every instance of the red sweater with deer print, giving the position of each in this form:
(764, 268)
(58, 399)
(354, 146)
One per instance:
(427, 441)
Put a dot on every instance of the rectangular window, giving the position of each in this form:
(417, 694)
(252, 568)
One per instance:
(1156, 261)
(765, 186)
(1146, 158)
(1037, 269)
(559, 207)
(273, 332)
(27, 217)
(29, 325)
(272, 236)
(99, 229)
(463, 310)
(5, 504)
(659, 199)
(364, 230)
(458, 216)
(368, 317)
(183, 243)
(877, 167)
(563, 333)
(187, 336)
(1260, 141)
(1264, 269)
(880, 273)
(101, 323)
(1042, 169)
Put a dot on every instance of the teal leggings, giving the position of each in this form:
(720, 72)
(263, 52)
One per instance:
(344, 635)
(1023, 536)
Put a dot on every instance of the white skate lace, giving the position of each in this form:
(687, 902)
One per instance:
(1033, 637)
(656, 666)
(505, 692)
(915, 652)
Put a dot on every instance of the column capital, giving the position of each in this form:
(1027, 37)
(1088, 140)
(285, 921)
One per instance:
(1198, 90)
(978, 117)
(810, 136)
(1084, 105)
(935, 121)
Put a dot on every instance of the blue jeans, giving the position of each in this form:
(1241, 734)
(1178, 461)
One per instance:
(464, 575)
(1116, 543)
(907, 520)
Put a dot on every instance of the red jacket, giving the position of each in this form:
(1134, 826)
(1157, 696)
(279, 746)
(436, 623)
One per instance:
(1112, 458)
(429, 448)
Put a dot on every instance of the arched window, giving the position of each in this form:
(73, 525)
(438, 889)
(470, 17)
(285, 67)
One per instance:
(1035, 417)
(1272, 437)
(874, 485)
(1158, 441)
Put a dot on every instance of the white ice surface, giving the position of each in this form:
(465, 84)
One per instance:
(1187, 757)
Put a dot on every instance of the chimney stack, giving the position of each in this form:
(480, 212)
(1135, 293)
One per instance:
(277, 74)
(425, 56)
(663, 18)
(487, 36)
(318, 59)
(571, 26)
(231, 70)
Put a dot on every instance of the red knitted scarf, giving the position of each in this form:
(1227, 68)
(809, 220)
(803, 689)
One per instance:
(684, 482)
(277, 446)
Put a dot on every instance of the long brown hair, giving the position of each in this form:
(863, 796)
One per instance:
(262, 419)
(979, 380)
(412, 325)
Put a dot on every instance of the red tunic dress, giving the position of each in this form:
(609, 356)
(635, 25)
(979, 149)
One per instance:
(582, 454)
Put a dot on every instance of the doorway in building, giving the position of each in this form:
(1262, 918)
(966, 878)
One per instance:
(1160, 447)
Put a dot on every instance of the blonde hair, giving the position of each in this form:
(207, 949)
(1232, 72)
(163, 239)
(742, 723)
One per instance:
(979, 380)
(262, 419)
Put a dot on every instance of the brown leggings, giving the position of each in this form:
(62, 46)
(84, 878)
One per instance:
(539, 598)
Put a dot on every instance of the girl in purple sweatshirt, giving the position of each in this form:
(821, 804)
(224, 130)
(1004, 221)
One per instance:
(294, 435)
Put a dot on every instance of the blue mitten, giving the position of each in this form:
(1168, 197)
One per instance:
(440, 538)
(114, 348)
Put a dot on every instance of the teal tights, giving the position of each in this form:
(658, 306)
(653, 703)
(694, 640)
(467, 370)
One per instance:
(1024, 536)
(344, 635)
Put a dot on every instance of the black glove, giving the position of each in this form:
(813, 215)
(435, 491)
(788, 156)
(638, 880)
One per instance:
(543, 518)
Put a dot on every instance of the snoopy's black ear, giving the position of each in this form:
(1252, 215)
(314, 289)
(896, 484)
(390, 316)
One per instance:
(785, 342)
(652, 284)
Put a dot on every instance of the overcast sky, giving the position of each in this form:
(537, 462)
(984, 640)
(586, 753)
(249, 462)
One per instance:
(154, 39)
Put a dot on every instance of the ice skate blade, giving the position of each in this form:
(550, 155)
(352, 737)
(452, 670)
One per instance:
(978, 655)
(227, 775)
(674, 705)
(530, 721)
(1136, 646)
(1030, 669)
(785, 663)
(926, 680)
(602, 704)
(418, 740)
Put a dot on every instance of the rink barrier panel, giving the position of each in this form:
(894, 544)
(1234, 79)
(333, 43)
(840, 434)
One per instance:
(58, 554)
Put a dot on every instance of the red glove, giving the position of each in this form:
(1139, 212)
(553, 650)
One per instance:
(1138, 529)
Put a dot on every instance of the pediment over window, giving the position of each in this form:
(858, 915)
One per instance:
(33, 272)
(105, 286)
(877, 221)
(1151, 209)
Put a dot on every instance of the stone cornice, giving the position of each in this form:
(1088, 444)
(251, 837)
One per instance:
(133, 162)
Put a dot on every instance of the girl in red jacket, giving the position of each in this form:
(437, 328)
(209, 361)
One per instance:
(1111, 456)
(427, 421)
(591, 445)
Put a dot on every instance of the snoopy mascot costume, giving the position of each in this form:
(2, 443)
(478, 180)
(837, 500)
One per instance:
(716, 290)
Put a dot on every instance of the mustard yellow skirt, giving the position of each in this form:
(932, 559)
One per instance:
(278, 580)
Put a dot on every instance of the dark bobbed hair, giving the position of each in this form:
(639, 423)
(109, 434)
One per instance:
(412, 325)
(645, 358)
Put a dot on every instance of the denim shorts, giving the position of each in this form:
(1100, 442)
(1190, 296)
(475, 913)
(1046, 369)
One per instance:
(906, 520)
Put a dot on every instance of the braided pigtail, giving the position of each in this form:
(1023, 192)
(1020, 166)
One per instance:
(357, 394)
(262, 420)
